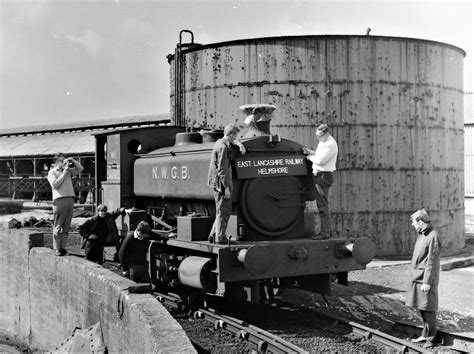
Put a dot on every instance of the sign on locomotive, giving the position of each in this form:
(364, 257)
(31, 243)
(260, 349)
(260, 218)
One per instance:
(269, 167)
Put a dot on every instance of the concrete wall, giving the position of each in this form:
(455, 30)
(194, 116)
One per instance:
(43, 298)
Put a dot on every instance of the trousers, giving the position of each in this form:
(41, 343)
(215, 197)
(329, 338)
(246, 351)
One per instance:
(223, 210)
(429, 325)
(62, 213)
(323, 182)
(94, 249)
(139, 273)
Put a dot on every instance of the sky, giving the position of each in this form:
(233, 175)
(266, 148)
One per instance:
(67, 61)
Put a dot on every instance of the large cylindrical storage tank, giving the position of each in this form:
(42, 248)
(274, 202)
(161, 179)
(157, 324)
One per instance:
(394, 105)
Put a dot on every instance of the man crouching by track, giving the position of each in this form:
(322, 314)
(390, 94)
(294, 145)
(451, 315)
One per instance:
(99, 229)
(133, 252)
(423, 294)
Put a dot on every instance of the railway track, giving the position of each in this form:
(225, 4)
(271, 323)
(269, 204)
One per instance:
(454, 342)
(264, 341)
(400, 345)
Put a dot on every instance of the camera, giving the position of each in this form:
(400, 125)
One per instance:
(69, 164)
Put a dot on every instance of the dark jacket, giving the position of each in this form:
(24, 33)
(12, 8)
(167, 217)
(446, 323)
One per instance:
(220, 169)
(133, 251)
(88, 227)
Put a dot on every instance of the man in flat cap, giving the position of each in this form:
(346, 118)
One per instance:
(423, 293)
(324, 165)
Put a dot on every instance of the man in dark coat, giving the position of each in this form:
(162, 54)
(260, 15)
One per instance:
(99, 229)
(220, 180)
(423, 293)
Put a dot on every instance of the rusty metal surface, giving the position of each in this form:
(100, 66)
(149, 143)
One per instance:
(47, 145)
(394, 105)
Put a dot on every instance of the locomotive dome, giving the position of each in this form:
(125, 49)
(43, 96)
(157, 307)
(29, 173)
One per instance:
(394, 105)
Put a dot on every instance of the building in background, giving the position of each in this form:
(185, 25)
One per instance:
(26, 155)
(469, 144)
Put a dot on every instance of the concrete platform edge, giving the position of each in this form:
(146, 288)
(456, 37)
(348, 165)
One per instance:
(44, 297)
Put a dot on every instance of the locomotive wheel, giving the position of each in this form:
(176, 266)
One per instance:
(276, 287)
(271, 289)
(154, 252)
(191, 296)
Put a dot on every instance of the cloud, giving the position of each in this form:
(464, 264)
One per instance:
(203, 36)
(133, 28)
(90, 41)
(25, 12)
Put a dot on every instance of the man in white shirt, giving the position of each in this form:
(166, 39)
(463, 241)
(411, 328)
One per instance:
(324, 164)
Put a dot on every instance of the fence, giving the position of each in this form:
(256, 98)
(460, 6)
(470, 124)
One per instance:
(38, 188)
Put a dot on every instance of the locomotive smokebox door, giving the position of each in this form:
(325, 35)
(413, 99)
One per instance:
(273, 207)
(194, 228)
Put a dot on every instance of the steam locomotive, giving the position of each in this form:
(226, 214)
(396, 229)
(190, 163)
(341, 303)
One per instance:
(162, 173)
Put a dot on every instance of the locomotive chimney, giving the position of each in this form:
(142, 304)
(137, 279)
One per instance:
(257, 120)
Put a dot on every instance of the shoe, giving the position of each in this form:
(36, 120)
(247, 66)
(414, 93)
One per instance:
(321, 237)
(419, 339)
(58, 253)
(428, 345)
(222, 240)
(63, 252)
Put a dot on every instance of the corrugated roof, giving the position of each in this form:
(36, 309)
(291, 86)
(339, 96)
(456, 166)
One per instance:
(150, 119)
(73, 143)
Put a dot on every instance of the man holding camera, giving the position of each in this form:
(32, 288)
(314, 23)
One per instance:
(59, 177)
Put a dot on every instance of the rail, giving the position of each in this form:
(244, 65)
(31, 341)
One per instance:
(264, 342)
(267, 342)
(454, 341)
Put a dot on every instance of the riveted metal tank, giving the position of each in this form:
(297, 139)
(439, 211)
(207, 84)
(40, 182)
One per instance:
(394, 105)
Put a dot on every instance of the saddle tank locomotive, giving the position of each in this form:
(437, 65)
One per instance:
(270, 243)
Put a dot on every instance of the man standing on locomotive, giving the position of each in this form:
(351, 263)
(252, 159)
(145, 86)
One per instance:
(324, 164)
(423, 293)
(220, 180)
